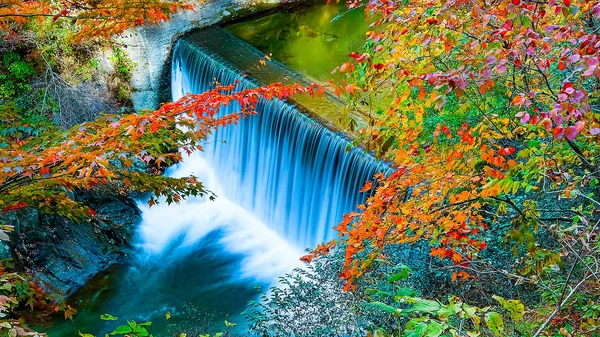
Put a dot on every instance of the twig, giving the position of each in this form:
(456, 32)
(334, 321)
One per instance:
(561, 304)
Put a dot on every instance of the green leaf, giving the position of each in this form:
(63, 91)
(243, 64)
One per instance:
(123, 329)
(495, 323)
(405, 292)
(85, 334)
(384, 307)
(469, 311)
(382, 294)
(402, 275)
(168, 315)
(449, 310)
(140, 331)
(416, 327)
(515, 308)
(434, 329)
(6, 286)
(424, 306)
(108, 317)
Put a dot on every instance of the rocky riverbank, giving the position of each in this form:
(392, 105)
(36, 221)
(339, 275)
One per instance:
(62, 255)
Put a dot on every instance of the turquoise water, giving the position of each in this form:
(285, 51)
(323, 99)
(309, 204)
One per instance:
(200, 290)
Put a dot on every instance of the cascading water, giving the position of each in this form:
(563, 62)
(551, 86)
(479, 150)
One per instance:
(281, 166)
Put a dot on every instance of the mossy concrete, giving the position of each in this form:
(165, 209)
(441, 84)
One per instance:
(150, 48)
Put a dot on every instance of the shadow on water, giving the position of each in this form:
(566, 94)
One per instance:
(200, 284)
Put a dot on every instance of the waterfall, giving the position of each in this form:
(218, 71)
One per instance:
(282, 180)
(286, 169)
(283, 167)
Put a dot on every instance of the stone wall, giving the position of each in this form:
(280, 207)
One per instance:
(150, 48)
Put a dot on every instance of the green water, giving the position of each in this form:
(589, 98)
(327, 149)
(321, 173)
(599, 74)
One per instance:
(311, 40)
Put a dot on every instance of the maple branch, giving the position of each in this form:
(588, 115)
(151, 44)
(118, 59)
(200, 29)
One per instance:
(546, 81)
(455, 204)
(31, 15)
(556, 219)
(6, 186)
(562, 302)
(512, 204)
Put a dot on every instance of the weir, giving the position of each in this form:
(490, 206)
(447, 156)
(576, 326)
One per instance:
(290, 171)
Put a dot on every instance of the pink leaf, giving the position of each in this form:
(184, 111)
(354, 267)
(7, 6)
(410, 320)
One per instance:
(558, 132)
(579, 95)
(571, 132)
(574, 58)
(486, 19)
(440, 102)
(558, 119)
(589, 71)
(547, 123)
(562, 96)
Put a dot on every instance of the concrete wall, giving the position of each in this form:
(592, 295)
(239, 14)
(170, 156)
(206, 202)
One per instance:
(150, 48)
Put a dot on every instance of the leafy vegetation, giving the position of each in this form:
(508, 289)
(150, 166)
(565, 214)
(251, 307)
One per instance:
(92, 19)
(19, 293)
(135, 329)
(487, 111)
(491, 119)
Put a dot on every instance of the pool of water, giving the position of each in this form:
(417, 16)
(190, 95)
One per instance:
(199, 290)
(312, 40)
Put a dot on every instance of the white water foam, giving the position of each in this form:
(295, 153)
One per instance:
(266, 254)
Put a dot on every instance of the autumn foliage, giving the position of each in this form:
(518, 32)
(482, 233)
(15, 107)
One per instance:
(489, 113)
(94, 19)
(40, 171)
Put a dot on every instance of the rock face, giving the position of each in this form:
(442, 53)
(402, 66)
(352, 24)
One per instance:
(62, 255)
(150, 48)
